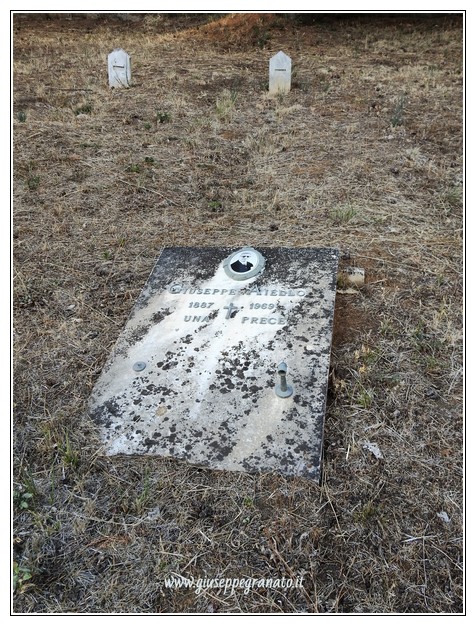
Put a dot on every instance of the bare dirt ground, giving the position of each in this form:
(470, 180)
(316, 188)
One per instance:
(364, 154)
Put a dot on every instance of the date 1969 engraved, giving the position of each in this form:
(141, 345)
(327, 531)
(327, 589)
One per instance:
(262, 305)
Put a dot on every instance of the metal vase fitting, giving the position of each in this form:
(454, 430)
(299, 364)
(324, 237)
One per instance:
(282, 389)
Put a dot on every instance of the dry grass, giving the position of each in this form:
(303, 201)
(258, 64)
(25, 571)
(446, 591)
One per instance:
(365, 154)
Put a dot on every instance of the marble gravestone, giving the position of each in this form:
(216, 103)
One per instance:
(224, 361)
(119, 68)
(279, 73)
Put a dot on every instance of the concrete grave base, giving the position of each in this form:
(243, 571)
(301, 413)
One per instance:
(193, 375)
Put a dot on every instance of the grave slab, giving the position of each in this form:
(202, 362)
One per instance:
(224, 361)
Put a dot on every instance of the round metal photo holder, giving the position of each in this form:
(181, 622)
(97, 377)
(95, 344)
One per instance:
(244, 263)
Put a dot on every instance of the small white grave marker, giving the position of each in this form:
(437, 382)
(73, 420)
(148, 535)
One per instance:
(119, 68)
(279, 73)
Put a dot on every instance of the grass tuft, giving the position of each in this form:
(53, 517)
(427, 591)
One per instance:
(397, 118)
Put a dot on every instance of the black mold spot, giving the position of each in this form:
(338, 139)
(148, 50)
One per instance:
(148, 443)
(102, 415)
(150, 389)
(225, 425)
(165, 391)
(160, 315)
(169, 365)
(112, 407)
(138, 333)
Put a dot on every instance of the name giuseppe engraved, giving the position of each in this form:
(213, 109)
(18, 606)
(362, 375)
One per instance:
(178, 288)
